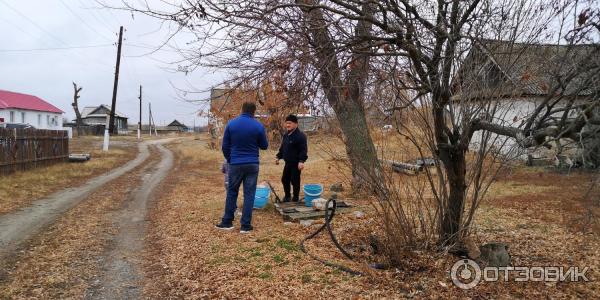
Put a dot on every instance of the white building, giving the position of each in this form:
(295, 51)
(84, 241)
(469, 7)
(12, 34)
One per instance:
(28, 109)
(506, 82)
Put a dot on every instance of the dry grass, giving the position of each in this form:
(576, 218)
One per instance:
(20, 189)
(535, 211)
(509, 188)
(188, 258)
(63, 261)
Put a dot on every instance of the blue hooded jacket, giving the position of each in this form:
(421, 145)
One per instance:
(242, 138)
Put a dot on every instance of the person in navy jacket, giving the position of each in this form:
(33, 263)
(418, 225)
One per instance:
(293, 151)
(242, 139)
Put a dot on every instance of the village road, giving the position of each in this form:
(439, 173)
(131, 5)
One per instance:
(121, 270)
(16, 228)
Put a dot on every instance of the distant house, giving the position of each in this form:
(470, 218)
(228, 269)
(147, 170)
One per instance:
(96, 115)
(520, 76)
(219, 99)
(28, 109)
(182, 127)
(375, 115)
(159, 129)
(310, 123)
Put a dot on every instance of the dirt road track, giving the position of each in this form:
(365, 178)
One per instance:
(18, 227)
(121, 271)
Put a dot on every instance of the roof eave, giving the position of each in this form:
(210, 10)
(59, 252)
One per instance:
(47, 111)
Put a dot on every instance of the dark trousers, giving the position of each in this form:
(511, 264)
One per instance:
(291, 176)
(238, 174)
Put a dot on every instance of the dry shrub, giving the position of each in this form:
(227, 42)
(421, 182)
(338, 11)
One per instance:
(411, 207)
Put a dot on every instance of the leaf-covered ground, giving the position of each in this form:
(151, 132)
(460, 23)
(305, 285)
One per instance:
(539, 213)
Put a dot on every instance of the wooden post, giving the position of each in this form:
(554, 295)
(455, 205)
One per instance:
(149, 119)
(139, 132)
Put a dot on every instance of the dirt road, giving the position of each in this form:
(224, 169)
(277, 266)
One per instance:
(97, 229)
(121, 270)
(17, 227)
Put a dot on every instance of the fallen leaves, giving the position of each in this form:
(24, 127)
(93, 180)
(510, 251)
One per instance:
(203, 262)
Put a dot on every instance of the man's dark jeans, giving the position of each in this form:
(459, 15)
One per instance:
(238, 174)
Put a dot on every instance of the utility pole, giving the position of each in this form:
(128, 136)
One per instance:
(155, 130)
(149, 118)
(114, 97)
(140, 122)
(106, 135)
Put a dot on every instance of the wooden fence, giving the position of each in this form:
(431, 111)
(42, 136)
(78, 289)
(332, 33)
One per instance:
(97, 130)
(22, 149)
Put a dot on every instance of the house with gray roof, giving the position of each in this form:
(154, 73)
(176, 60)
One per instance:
(518, 77)
(97, 115)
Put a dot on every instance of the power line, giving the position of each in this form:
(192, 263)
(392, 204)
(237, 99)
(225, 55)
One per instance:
(82, 20)
(56, 48)
(41, 28)
(19, 28)
(37, 37)
(105, 24)
(33, 23)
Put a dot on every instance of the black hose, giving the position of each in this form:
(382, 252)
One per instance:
(329, 213)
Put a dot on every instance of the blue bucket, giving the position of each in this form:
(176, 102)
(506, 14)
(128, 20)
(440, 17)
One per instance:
(261, 197)
(312, 192)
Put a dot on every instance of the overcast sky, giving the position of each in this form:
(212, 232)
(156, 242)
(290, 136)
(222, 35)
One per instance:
(30, 63)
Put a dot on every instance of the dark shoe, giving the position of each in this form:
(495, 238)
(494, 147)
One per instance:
(246, 229)
(295, 200)
(286, 199)
(224, 226)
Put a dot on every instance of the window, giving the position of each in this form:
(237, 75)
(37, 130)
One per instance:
(12, 116)
(48, 120)
(39, 120)
(22, 117)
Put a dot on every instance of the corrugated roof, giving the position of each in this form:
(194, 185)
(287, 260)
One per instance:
(177, 123)
(88, 110)
(535, 68)
(506, 68)
(23, 101)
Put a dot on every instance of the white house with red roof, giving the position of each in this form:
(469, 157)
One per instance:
(28, 109)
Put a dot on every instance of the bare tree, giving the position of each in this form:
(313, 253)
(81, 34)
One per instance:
(433, 41)
(346, 96)
(75, 104)
(333, 49)
(258, 39)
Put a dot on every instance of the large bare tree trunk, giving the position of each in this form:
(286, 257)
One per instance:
(455, 166)
(451, 150)
(346, 96)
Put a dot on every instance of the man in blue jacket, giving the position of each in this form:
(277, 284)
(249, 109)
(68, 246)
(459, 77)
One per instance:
(243, 138)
